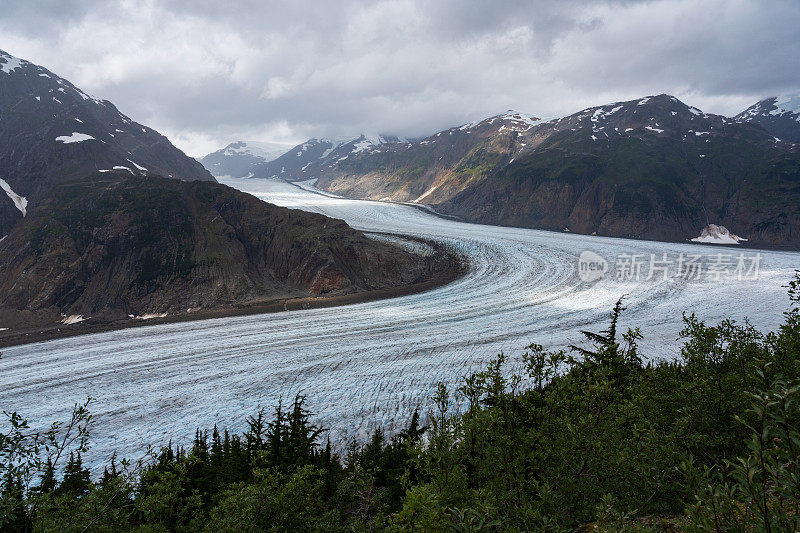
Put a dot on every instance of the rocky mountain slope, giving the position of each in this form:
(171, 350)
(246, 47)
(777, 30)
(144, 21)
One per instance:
(428, 170)
(650, 168)
(51, 131)
(113, 246)
(653, 168)
(238, 158)
(779, 115)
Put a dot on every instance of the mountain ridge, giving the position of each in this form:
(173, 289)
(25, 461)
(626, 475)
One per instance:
(651, 168)
(779, 115)
(239, 157)
(51, 131)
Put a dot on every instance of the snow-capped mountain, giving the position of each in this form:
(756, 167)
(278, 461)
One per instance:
(421, 170)
(306, 159)
(238, 158)
(651, 168)
(509, 121)
(779, 115)
(52, 132)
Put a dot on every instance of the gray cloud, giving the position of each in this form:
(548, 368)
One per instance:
(207, 72)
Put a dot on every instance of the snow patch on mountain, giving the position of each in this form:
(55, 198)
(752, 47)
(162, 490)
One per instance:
(118, 167)
(787, 103)
(366, 142)
(140, 167)
(19, 201)
(334, 144)
(9, 63)
(511, 120)
(522, 118)
(150, 316)
(360, 146)
(713, 234)
(72, 319)
(426, 194)
(601, 113)
(75, 137)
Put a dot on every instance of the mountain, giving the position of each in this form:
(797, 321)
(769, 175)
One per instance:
(114, 246)
(238, 158)
(650, 168)
(51, 132)
(779, 115)
(428, 170)
(104, 221)
(305, 159)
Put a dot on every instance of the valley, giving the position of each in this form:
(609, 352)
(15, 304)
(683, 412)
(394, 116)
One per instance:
(400, 266)
(363, 364)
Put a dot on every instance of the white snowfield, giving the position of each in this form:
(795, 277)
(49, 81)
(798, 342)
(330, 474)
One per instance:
(368, 365)
(20, 202)
(787, 103)
(10, 63)
(74, 137)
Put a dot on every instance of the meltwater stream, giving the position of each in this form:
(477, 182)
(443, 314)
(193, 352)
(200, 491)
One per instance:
(368, 365)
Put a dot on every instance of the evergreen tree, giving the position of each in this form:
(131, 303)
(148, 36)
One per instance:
(13, 507)
(275, 436)
(301, 434)
(413, 432)
(76, 480)
(257, 427)
(113, 474)
(47, 483)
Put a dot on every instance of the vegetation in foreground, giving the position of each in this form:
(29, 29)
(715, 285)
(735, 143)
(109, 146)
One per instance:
(593, 439)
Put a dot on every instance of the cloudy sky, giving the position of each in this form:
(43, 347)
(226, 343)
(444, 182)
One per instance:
(207, 72)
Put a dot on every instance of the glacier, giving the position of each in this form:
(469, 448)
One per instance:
(368, 365)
